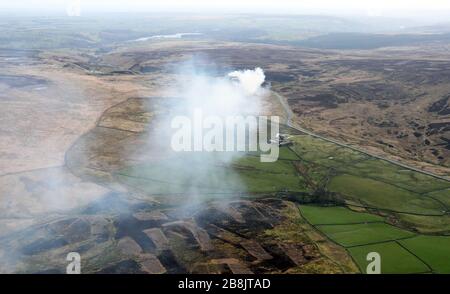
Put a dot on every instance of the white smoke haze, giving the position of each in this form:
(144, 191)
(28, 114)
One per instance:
(44, 192)
(397, 8)
(56, 192)
(238, 93)
(250, 80)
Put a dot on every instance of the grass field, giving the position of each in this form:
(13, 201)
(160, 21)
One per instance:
(253, 163)
(401, 251)
(442, 195)
(208, 173)
(317, 215)
(287, 154)
(394, 259)
(384, 196)
(434, 250)
(427, 224)
(326, 154)
(395, 175)
(360, 234)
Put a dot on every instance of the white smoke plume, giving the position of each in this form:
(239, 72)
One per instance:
(238, 93)
(250, 80)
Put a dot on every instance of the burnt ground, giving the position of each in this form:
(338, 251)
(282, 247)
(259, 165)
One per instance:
(220, 237)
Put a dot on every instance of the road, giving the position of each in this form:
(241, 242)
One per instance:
(290, 123)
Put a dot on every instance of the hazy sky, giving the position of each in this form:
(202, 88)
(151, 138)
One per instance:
(417, 8)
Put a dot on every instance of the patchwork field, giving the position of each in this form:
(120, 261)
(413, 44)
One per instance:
(377, 194)
(431, 249)
(394, 259)
(394, 206)
(360, 233)
(336, 215)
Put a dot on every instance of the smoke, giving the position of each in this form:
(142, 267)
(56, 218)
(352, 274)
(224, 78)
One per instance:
(195, 176)
(199, 174)
(249, 80)
(36, 186)
(235, 93)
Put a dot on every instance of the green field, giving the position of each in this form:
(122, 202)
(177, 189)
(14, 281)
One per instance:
(381, 195)
(401, 251)
(360, 234)
(323, 153)
(394, 259)
(427, 224)
(245, 174)
(400, 177)
(253, 163)
(317, 215)
(443, 196)
(434, 250)
(287, 154)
